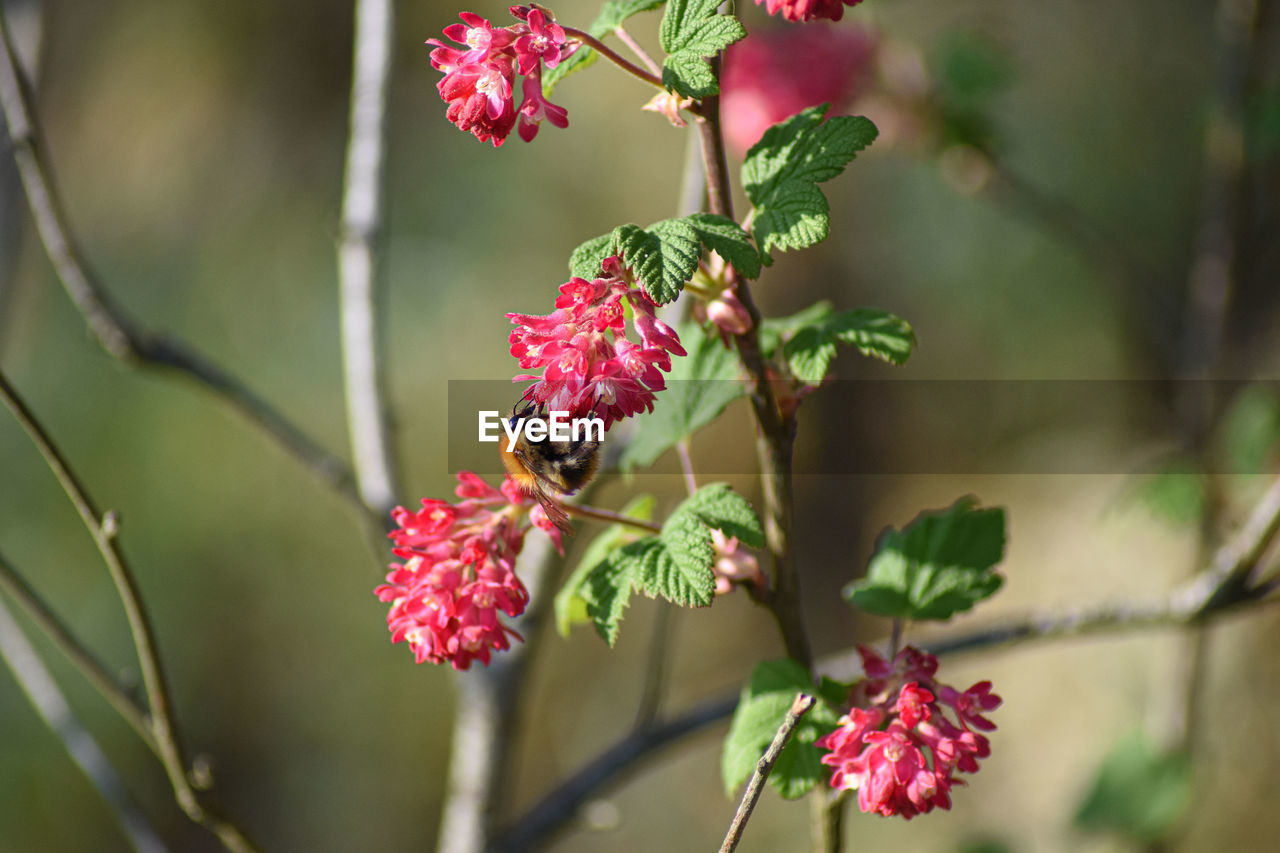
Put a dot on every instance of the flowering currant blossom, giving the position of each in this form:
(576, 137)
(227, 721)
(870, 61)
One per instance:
(776, 73)
(479, 81)
(459, 571)
(807, 10)
(896, 747)
(590, 367)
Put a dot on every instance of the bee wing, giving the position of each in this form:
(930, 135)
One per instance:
(552, 508)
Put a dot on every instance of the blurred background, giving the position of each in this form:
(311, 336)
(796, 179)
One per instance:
(1037, 207)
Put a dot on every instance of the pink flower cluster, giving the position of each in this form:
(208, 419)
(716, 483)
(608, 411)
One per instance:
(807, 10)
(459, 571)
(479, 81)
(590, 367)
(765, 80)
(896, 747)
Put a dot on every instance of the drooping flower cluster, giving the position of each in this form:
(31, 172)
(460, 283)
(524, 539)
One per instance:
(808, 10)
(459, 572)
(479, 81)
(776, 73)
(590, 367)
(896, 747)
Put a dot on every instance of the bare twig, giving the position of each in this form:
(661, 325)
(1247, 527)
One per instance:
(359, 252)
(83, 660)
(110, 325)
(160, 717)
(608, 53)
(609, 517)
(625, 38)
(764, 766)
(52, 706)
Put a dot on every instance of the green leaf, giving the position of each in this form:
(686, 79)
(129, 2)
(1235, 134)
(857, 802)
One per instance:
(615, 12)
(1139, 792)
(774, 331)
(972, 72)
(663, 256)
(676, 564)
(1175, 493)
(699, 388)
(679, 569)
(691, 31)
(611, 16)
(570, 606)
(783, 169)
(872, 332)
(721, 508)
(584, 261)
(726, 237)
(761, 709)
(1250, 430)
(938, 565)
(607, 588)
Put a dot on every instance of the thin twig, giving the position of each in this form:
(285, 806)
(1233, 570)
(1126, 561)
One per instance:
(764, 766)
(359, 251)
(51, 705)
(609, 516)
(686, 465)
(625, 38)
(164, 730)
(83, 660)
(111, 326)
(613, 56)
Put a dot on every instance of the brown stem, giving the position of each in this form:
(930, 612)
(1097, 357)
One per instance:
(613, 56)
(609, 516)
(764, 766)
(775, 433)
(160, 719)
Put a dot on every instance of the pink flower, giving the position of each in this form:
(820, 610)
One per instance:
(590, 368)
(544, 42)
(479, 80)
(458, 572)
(807, 10)
(776, 73)
(534, 108)
(733, 564)
(901, 752)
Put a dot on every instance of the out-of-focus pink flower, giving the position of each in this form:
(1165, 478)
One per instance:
(459, 573)
(734, 565)
(896, 747)
(776, 73)
(589, 366)
(479, 81)
(808, 10)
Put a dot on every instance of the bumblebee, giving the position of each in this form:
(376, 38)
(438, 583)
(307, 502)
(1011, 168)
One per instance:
(546, 469)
